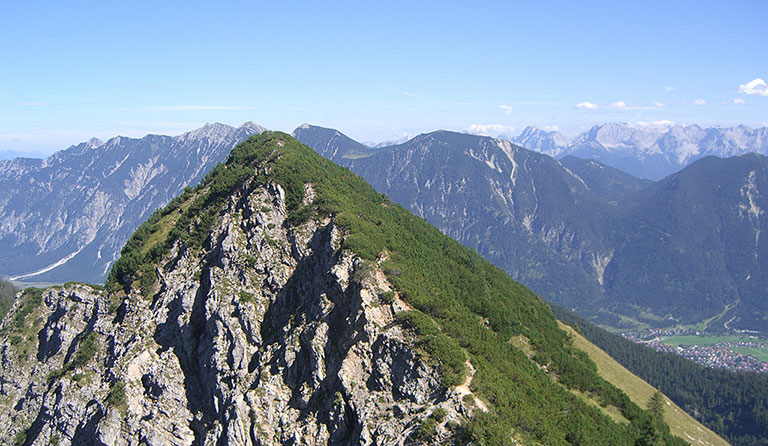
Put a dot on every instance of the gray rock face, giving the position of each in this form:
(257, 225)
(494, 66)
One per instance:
(268, 336)
(68, 217)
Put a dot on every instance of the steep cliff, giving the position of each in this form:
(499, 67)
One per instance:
(284, 301)
(289, 343)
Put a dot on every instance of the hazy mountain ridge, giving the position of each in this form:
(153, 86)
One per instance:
(332, 144)
(11, 154)
(699, 231)
(647, 151)
(80, 205)
(609, 183)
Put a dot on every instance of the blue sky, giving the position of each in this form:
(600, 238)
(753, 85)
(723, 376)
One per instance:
(375, 70)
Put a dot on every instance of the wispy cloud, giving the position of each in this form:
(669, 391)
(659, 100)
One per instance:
(739, 101)
(586, 104)
(395, 90)
(670, 88)
(491, 129)
(618, 104)
(196, 107)
(700, 101)
(755, 87)
(659, 104)
(507, 109)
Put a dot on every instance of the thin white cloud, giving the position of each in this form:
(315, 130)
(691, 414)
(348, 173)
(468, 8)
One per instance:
(586, 104)
(196, 108)
(507, 109)
(756, 87)
(670, 88)
(619, 104)
(700, 101)
(491, 129)
(659, 104)
(739, 101)
(405, 92)
(550, 128)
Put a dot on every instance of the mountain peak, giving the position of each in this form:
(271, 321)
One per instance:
(550, 142)
(252, 126)
(94, 143)
(209, 130)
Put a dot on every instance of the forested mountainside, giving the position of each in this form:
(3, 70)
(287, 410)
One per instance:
(685, 250)
(67, 217)
(284, 301)
(607, 182)
(733, 404)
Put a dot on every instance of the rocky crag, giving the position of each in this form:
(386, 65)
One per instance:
(291, 343)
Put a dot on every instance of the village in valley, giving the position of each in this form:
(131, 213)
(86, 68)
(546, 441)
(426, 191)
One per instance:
(725, 352)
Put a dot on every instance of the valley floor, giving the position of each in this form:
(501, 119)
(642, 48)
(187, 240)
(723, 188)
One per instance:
(736, 353)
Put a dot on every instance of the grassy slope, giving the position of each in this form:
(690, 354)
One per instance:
(681, 424)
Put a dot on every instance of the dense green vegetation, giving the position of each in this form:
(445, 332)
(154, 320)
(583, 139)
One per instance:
(7, 296)
(22, 328)
(464, 307)
(733, 404)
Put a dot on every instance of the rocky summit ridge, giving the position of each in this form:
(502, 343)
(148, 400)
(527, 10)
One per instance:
(284, 302)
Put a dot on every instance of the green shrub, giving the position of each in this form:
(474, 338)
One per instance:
(7, 296)
(246, 297)
(439, 414)
(31, 298)
(427, 429)
(20, 438)
(116, 396)
(86, 351)
(54, 376)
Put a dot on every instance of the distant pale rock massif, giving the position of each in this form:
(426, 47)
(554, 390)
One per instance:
(647, 151)
(67, 217)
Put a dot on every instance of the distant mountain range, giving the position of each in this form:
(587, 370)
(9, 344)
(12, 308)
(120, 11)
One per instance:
(620, 249)
(617, 248)
(68, 216)
(11, 154)
(647, 151)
